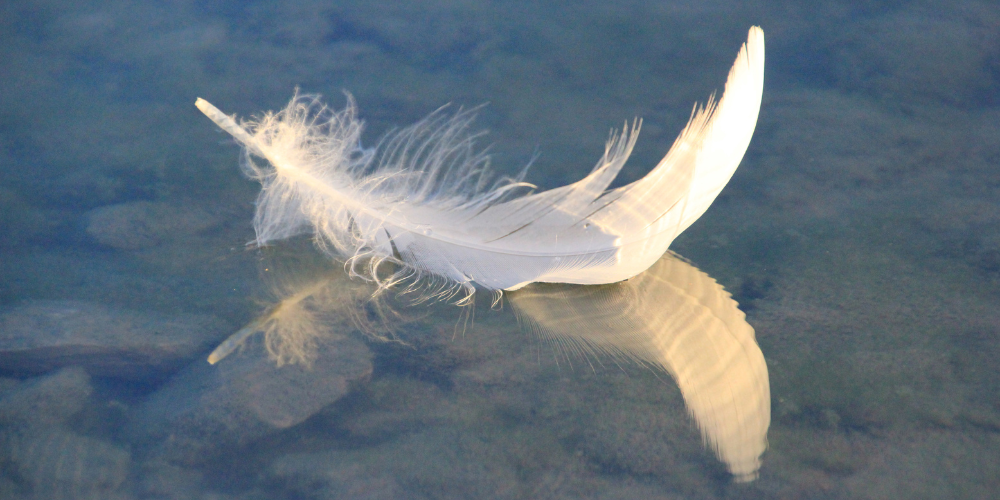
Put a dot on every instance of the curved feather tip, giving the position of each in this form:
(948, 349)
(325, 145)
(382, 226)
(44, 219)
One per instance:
(424, 200)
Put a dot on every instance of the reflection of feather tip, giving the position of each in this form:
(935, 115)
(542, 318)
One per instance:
(676, 318)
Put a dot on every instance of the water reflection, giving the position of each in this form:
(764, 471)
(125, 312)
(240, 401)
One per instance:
(677, 318)
(672, 317)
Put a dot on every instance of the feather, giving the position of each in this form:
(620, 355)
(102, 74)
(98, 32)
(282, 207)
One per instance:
(424, 200)
(678, 319)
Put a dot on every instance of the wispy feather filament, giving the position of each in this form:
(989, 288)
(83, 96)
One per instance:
(424, 198)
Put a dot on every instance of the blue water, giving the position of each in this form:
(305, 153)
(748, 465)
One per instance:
(861, 235)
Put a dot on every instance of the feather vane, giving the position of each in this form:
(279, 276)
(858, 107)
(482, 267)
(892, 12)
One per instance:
(424, 198)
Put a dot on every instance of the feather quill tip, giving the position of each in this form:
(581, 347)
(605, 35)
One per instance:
(423, 199)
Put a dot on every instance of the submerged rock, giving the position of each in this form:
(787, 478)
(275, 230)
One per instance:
(48, 400)
(441, 462)
(41, 457)
(335, 475)
(207, 410)
(42, 336)
(164, 481)
(56, 464)
(144, 224)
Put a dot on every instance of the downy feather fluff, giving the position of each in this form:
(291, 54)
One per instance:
(423, 198)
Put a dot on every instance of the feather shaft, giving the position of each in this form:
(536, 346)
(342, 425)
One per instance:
(423, 200)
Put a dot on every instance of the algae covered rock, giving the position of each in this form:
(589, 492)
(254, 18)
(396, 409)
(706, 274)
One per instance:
(47, 400)
(57, 464)
(41, 336)
(207, 409)
(41, 456)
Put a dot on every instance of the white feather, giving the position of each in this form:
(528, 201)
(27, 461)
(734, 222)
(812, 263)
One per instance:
(423, 199)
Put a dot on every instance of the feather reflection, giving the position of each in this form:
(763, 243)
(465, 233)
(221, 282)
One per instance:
(679, 319)
(672, 317)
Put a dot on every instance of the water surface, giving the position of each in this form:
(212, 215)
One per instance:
(861, 236)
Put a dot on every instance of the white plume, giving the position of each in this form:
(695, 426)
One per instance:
(423, 198)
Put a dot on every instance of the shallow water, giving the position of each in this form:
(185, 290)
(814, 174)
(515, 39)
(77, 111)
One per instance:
(861, 236)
